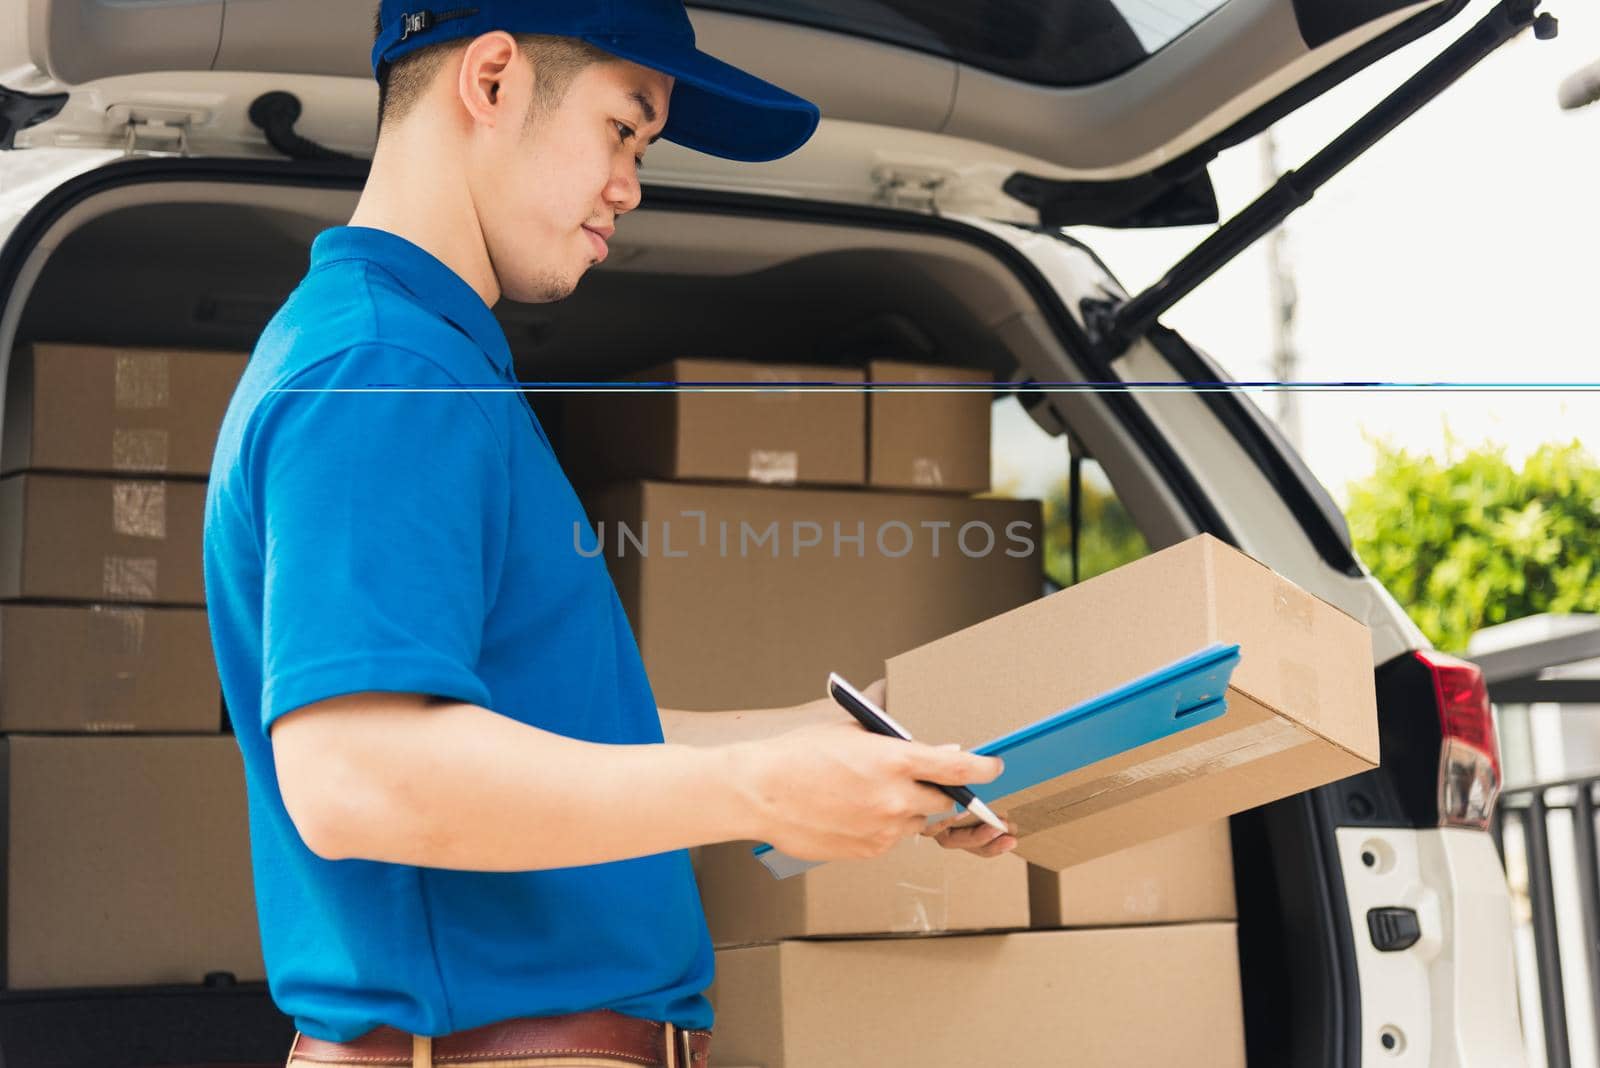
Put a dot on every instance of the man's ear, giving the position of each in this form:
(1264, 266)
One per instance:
(489, 75)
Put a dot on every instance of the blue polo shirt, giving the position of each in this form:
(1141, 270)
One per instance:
(422, 540)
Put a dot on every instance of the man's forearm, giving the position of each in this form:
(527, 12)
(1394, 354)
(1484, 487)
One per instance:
(458, 786)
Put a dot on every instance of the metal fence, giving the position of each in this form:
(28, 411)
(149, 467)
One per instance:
(1524, 822)
(1544, 825)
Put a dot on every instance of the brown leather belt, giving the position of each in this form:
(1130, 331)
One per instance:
(582, 1034)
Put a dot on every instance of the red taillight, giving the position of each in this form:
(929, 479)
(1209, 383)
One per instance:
(1469, 755)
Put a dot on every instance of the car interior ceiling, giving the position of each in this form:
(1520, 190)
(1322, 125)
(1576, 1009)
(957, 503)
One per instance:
(210, 275)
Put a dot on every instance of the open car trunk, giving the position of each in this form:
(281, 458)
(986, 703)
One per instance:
(1104, 112)
(200, 254)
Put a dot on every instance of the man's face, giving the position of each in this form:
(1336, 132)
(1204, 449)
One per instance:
(551, 190)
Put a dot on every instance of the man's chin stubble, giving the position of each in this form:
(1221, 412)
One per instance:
(551, 288)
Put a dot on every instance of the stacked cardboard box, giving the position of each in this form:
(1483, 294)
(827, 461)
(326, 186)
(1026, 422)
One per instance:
(127, 857)
(1133, 997)
(928, 427)
(102, 501)
(746, 596)
(1135, 838)
(769, 435)
(925, 428)
(127, 861)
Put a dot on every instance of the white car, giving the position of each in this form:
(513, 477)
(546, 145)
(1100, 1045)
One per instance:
(960, 142)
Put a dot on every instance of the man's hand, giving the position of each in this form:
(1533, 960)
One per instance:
(836, 791)
(978, 838)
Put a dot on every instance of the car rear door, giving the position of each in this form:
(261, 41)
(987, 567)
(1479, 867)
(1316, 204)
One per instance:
(1061, 111)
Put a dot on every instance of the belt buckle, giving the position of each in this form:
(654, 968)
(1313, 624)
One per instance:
(685, 1043)
(672, 1044)
(680, 1051)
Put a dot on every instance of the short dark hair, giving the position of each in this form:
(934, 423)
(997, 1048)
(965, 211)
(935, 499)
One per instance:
(556, 62)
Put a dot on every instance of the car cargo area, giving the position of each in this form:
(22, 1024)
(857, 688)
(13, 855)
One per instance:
(127, 868)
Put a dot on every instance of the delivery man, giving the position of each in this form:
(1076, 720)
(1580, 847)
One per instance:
(468, 832)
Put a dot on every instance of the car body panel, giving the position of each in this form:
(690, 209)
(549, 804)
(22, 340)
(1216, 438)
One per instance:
(184, 72)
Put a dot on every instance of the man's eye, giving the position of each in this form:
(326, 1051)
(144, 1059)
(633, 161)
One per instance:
(624, 131)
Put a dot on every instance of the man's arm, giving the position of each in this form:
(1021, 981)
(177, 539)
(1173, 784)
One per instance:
(408, 779)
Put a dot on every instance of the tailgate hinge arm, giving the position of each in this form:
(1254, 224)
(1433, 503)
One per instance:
(1115, 327)
(19, 110)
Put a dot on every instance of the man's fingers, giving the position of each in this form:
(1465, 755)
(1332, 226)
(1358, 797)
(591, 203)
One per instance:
(972, 837)
(930, 802)
(952, 767)
(980, 839)
(1003, 843)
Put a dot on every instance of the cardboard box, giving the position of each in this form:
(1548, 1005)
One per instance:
(87, 538)
(127, 862)
(918, 887)
(1139, 997)
(776, 436)
(107, 668)
(114, 410)
(928, 440)
(1182, 878)
(741, 596)
(1301, 709)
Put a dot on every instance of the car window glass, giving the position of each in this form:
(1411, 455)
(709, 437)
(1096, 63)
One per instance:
(1051, 42)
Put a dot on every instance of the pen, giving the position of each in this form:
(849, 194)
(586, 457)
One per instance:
(878, 721)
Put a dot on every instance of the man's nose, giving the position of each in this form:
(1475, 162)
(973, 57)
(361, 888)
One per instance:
(623, 192)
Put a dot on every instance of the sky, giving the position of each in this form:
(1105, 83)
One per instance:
(1462, 247)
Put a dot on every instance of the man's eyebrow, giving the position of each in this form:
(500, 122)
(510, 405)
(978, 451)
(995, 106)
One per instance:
(647, 108)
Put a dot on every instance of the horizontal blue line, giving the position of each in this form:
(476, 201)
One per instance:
(932, 387)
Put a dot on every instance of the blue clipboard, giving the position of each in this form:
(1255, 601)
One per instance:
(1183, 694)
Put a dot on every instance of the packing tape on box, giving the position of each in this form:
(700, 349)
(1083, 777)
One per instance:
(139, 509)
(925, 472)
(114, 646)
(128, 578)
(1292, 606)
(926, 908)
(774, 465)
(138, 449)
(773, 396)
(1274, 735)
(143, 380)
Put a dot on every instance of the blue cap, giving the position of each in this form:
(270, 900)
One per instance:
(715, 108)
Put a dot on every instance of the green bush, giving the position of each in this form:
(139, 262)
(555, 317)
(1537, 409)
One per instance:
(1107, 539)
(1471, 541)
